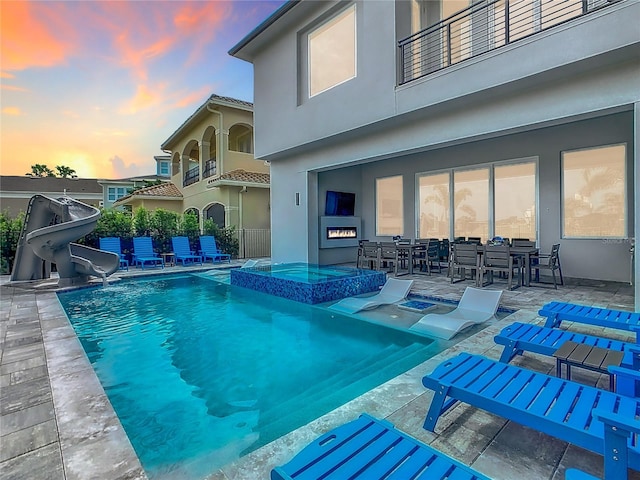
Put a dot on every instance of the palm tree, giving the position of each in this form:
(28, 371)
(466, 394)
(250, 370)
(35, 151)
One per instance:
(41, 170)
(65, 172)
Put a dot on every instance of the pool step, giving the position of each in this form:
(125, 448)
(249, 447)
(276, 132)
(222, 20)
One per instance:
(309, 405)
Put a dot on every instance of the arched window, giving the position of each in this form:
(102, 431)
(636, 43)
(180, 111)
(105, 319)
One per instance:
(215, 212)
(193, 211)
(241, 139)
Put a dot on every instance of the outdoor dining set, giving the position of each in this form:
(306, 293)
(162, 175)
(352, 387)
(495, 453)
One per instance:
(518, 260)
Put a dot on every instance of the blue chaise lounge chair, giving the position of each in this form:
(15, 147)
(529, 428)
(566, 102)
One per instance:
(558, 312)
(209, 249)
(182, 251)
(143, 252)
(371, 449)
(576, 413)
(112, 244)
(525, 337)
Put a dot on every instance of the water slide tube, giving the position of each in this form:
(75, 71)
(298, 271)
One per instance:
(49, 228)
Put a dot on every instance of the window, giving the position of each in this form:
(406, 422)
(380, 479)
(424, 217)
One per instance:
(593, 192)
(389, 207)
(114, 193)
(332, 52)
(434, 200)
(240, 139)
(515, 200)
(163, 169)
(467, 193)
(471, 203)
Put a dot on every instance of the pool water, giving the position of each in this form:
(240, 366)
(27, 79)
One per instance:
(201, 372)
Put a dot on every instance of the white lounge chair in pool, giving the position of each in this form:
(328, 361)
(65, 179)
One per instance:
(393, 291)
(476, 306)
(250, 263)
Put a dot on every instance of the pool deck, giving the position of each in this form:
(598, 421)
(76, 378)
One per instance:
(56, 422)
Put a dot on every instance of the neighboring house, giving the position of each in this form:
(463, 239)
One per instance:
(113, 190)
(163, 166)
(213, 168)
(16, 191)
(500, 118)
(165, 195)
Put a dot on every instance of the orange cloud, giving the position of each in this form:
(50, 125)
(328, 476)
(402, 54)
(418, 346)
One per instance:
(144, 98)
(6, 75)
(194, 97)
(13, 111)
(13, 88)
(27, 41)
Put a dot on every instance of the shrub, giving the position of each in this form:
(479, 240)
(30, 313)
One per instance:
(10, 230)
(164, 225)
(226, 238)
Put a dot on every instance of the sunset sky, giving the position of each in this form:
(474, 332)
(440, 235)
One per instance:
(98, 85)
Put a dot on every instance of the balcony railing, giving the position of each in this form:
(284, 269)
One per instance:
(484, 26)
(192, 176)
(209, 168)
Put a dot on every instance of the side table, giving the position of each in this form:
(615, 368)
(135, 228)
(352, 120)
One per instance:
(596, 359)
(169, 258)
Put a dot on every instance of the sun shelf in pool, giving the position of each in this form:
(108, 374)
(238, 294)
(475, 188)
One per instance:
(308, 283)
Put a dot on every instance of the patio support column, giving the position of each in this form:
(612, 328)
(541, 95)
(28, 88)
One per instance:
(636, 198)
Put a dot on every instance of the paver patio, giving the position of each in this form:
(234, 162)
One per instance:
(56, 422)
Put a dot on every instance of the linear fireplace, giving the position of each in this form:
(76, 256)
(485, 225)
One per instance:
(339, 231)
(342, 232)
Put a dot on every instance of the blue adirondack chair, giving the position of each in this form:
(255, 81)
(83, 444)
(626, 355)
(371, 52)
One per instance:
(182, 251)
(558, 312)
(372, 449)
(112, 244)
(209, 249)
(552, 405)
(143, 253)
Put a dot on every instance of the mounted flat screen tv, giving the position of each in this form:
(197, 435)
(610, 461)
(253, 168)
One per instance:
(340, 204)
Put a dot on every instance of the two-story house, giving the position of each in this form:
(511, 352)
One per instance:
(213, 169)
(450, 118)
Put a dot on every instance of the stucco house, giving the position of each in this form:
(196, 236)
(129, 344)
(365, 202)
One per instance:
(213, 169)
(451, 118)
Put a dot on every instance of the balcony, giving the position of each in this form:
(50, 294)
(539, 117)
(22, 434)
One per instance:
(482, 27)
(209, 168)
(192, 176)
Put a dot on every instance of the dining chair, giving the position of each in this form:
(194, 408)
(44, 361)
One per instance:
(389, 257)
(522, 242)
(548, 262)
(498, 259)
(370, 255)
(476, 240)
(465, 257)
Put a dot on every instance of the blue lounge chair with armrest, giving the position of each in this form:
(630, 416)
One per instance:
(551, 405)
(558, 312)
(209, 249)
(370, 449)
(182, 251)
(112, 244)
(143, 253)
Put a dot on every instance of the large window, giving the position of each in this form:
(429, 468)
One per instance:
(593, 192)
(434, 199)
(498, 199)
(471, 203)
(515, 200)
(389, 206)
(332, 52)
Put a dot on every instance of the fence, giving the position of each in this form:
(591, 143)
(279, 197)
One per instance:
(254, 242)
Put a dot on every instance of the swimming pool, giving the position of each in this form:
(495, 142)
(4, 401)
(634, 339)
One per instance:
(201, 373)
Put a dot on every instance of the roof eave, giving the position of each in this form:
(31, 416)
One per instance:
(236, 183)
(239, 49)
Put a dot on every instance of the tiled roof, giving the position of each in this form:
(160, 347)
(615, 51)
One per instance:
(166, 190)
(243, 176)
(213, 98)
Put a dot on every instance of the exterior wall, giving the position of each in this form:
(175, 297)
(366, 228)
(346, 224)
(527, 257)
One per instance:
(497, 75)
(255, 208)
(151, 204)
